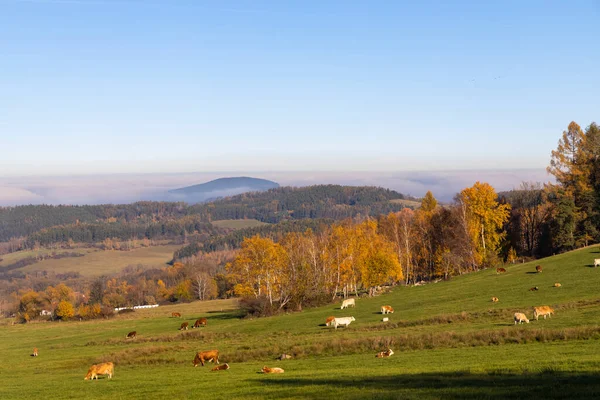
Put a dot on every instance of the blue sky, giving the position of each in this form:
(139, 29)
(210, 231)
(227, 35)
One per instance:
(106, 86)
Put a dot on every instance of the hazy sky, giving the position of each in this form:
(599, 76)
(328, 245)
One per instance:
(104, 86)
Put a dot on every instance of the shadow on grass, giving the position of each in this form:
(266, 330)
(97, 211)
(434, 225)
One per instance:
(225, 315)
(532, 272)
(459, 385)
(590, 265)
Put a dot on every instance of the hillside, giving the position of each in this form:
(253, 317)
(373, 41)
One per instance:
(221, 187)
(449, 339)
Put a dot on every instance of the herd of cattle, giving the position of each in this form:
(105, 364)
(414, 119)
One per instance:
(203, 357)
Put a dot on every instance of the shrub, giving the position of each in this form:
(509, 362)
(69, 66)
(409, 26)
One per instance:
(65, 310)
(257, 306)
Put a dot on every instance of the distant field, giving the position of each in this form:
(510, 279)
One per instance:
(407, 203)
(450, 341)
(238, 223)
(95, 262)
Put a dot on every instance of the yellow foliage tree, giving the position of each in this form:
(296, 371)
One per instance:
(65, 310)
(485, 218)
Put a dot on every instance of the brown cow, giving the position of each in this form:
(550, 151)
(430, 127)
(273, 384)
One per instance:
(387, 310)
(221, 367)
(199, 322)
(206, 356)
(100, 369)
(131, 335)
(542, 311)
(538, 269)
(184, 326)
(275, 370)
(533, 289)
(329, 320)
(494, 299)
(500, 270)
(35, 352)
(176, 314)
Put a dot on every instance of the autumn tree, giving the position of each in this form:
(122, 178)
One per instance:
(65, 310)
(485, 218)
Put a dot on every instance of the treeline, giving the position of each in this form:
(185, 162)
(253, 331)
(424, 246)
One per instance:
(98, 232)
(234, 239)
(320, 201)
(559, 217)
(24, 220)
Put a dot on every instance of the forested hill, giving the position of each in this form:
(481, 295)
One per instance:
(221, 187)
(168, 219)
(319, 201)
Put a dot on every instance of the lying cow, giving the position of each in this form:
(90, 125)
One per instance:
(520, 317)
(131, 335)
(184, 326)
(557, 284)
(500, 270)
(107, 368)
(221, 367)
(494, 299)
(206, 356)
(596, 262)
(383, 354)
(347, 303)
(200, 322)
(176, 314)
(387, 310)
(275, 370)
(329, 320)
(542, 311)
(344, 321)
(533, 289)
(284, 357)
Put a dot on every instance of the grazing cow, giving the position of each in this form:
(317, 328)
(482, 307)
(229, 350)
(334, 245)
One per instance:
(387, 310)
(35, 352)
(542, 311)
(383, 354)
(596, 262)
(347, 303)
(275, 370)
(200, 322)
(500, 270)
(284, 357)
(176, 314)
(494, 299)
(221, 367)
(538, 269)
(206, 356)
(100, 369)
(345, 321)
(329, 320)
(131, 335)
(184, 326)
(520, 317)
(533, 289)
(557, 284)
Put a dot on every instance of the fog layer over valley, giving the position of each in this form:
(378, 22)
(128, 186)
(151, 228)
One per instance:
(126, 188)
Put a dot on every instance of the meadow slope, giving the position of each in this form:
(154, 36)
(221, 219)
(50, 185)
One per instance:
(450, 341)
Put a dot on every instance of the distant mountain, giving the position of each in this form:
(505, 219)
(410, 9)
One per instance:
(219, 188)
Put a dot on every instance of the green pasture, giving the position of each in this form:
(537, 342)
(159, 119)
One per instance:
(449, 339)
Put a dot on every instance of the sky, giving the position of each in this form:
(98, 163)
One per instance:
(166, 86)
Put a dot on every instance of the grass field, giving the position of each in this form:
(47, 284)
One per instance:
(95, 262)
(238, 223)
(407, 203)
(449, 339)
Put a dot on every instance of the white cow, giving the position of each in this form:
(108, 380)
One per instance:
(596, 262)
(347, 303)
(344, 321)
